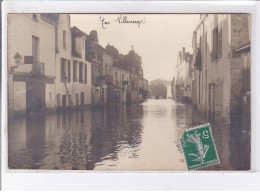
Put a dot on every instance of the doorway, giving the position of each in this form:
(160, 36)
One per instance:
(82, 98)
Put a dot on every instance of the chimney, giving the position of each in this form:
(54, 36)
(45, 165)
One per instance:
(183, 53)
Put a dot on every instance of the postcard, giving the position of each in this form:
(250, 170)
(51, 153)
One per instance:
(129, 92)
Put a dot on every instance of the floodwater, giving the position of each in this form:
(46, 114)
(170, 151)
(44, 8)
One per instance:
(136, 137)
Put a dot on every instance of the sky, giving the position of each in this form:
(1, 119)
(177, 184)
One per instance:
(158, 39)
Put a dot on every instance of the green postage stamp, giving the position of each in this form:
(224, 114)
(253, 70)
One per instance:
(199, 148)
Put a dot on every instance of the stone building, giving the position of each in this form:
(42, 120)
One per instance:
(128, 84)
(72, 70)
(218, 67)
(93, 53)
(31, 75)
(53, 73)
(183, 77)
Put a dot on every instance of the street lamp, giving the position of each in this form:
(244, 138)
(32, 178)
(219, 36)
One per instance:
(17, 60)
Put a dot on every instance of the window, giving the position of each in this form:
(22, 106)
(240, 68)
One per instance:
(69, 71)
(75, 71)
(205, 44)
(50, 96)
(77, 99)
(63, 70)
(216, 44)
(86, 71)
(64, 39)
(58, 100)
(83, 44)
(80, 72)
(106, 69)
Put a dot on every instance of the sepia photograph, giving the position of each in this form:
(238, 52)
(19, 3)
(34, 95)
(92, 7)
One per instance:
(129, 92)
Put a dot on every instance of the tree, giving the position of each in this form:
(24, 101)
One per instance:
(158, 87)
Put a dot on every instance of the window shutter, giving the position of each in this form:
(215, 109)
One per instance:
(85, 73)
(69, 71)
(220, 42)
(215, 43)
(62, 71)
(212, 47)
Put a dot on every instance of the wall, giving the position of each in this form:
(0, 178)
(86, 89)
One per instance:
(21, 28)
(213, 80)
(219, 80)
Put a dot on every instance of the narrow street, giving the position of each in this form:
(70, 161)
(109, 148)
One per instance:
(140, 137)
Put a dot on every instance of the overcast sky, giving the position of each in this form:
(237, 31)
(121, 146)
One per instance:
(157, 40)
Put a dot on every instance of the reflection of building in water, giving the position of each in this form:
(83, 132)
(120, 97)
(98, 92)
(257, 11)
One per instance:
(76, 140)
(122, 125)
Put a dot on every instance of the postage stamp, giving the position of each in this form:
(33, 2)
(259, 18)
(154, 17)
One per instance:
(199, 148)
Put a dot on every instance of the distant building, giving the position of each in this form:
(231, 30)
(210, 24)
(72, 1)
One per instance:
(169, 91)
(183, 77)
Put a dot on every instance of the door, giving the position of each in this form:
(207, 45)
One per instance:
(209, 103)
(63, 101)
(82, 98)
(35, 96)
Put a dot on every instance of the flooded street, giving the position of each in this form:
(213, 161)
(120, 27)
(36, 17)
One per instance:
(137, 137)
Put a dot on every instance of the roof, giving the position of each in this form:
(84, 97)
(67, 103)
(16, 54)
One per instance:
(77, 32)
(244, 48)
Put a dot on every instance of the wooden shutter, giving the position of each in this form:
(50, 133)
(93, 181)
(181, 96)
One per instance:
(74, 71)
(212, 47)
(215, 50)
(85, 73)
(62, 71)
(220, 42)
(80, 72)
(69, 71)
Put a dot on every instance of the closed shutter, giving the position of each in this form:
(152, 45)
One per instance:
(85, 73)
(74, 71)
(215, 43)
(212, 43)
(69, 71)
(220, 42)
(62, 76)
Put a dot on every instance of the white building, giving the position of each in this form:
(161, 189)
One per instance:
(31, 83)
(50, 73)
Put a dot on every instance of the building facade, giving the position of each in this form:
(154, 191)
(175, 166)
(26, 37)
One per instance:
(53, 73)
(183, 77)
(55, 67)
(31, 82)
(217, 67)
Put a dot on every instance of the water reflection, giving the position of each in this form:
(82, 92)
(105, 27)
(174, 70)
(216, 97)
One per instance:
(137, 137)
(77, 140)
